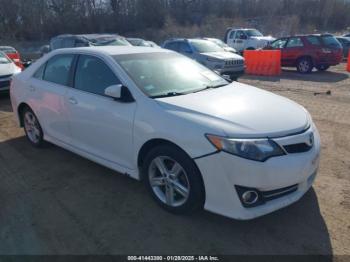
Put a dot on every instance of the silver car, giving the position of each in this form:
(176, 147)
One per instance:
(210, 55)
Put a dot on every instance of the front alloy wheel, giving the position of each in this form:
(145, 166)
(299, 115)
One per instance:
(169, 181)
(173, 179)
(304, 65)
(32, 128)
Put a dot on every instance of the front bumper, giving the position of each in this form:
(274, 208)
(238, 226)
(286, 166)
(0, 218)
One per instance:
(221, 172)
(4, 86)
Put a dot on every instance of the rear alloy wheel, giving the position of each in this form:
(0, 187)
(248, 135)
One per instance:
(173, 179)
(32, 128)
(304, 65)
(322, 67)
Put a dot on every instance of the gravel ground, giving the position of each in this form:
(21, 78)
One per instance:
(54, 202)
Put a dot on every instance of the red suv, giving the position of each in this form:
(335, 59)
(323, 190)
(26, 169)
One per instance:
(308, 51)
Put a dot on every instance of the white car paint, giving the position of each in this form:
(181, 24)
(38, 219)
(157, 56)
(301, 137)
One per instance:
(112, 133)
(253, 42)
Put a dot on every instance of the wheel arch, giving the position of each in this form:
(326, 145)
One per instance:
(305, 56)
(152, 143)
(20, 109)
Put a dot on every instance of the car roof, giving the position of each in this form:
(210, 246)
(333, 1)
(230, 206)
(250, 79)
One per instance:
(7, 47)
(89, 36)
(112, 50)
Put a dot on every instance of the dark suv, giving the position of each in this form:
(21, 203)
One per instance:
(308, 51)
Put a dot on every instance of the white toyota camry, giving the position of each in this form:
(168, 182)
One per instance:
(196, 140)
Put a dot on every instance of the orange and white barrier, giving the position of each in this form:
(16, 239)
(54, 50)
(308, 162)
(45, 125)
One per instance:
(263, 62)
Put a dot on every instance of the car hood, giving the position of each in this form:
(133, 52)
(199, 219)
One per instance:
(264, 38)
(239, 110)
(7, 69)
(230, 49)
(222, 55)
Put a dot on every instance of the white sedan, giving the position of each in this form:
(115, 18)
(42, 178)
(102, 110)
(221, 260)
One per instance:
(196, 140)
(7, 70)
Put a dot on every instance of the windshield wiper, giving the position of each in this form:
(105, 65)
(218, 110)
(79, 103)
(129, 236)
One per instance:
(169, 95)
(210, 87)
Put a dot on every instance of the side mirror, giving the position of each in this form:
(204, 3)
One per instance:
(120, 93)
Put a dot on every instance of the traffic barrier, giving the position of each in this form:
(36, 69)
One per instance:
(263, 62)
(348, 68)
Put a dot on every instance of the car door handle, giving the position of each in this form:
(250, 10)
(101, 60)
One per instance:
(31, 88)
(73, 101)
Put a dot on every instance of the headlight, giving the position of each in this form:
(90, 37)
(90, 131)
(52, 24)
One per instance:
(253, 149)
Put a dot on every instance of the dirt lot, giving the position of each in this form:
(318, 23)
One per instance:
(54, 202)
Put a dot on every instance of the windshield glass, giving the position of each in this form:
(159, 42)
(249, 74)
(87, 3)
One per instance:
(166, 74)
(253, 32)
(219, 42)
(331, 41)
(204, 46)
(4, 59)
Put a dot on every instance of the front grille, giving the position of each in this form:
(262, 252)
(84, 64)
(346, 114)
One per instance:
(5, 76)
(4, 84)
(233, 62)
(297, 148)
(273, 194)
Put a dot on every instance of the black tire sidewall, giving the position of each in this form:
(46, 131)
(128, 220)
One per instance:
(310, 65)
(40, 143)
(196, 197)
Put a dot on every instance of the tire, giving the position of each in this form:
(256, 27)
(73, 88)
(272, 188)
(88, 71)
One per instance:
(304, 65)
(32, 128)
(322, 67)
(178, 188)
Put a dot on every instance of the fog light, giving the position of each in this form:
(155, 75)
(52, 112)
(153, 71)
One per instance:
(250, 197)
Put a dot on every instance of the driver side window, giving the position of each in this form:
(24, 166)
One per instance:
(279, 44)
(93, 75)
(241, 35)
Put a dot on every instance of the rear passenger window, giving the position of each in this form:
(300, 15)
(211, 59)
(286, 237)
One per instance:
(93, 75)
(314, 40)
(40, 72)
(232, 34)
(58, 69)
(184, 48)
(172, 46)
(295, 42)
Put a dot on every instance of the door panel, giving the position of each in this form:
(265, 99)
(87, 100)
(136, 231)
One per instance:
(49, 86)
(100, 125)
(293, 50)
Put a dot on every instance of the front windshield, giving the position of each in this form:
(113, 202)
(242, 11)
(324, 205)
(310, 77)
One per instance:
(219, 43)
(253, 33)
(4, 59)
(166, 74)
(204, 46)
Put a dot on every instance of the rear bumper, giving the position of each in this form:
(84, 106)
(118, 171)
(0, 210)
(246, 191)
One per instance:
(223, 172)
